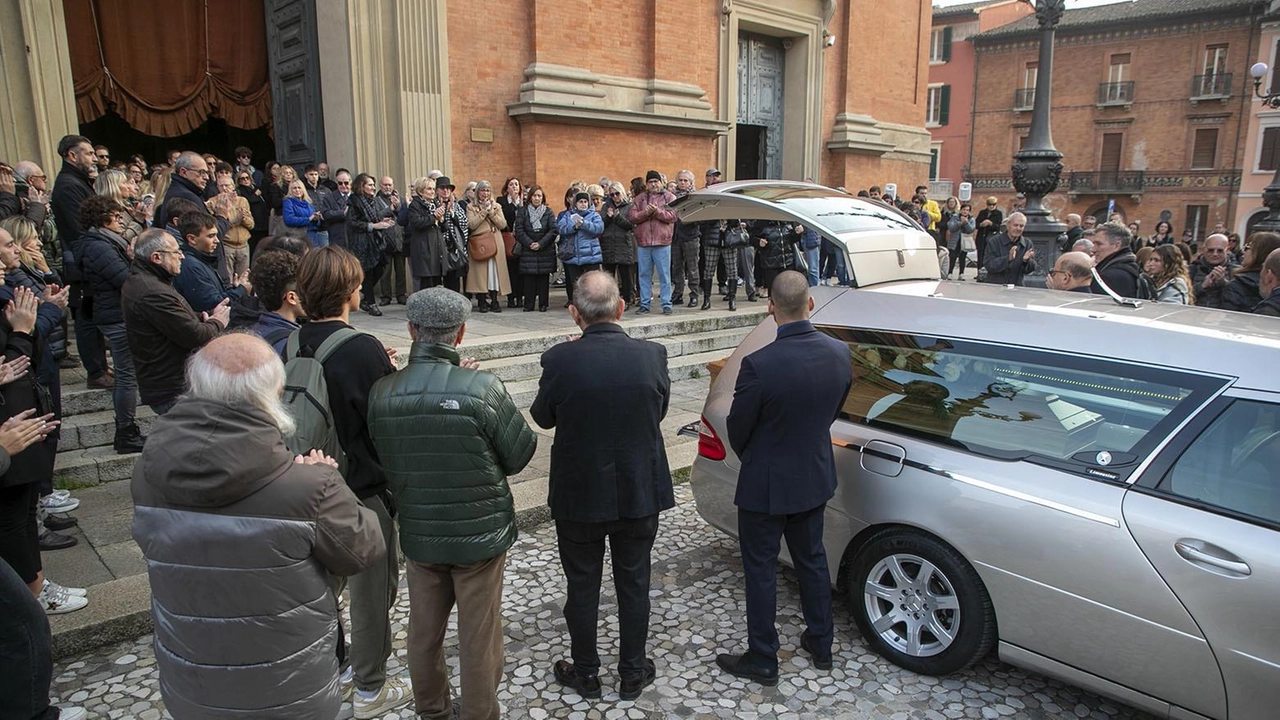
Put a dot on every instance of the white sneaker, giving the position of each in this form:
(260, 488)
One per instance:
(347, 681)
(78, 592)
(395, 692)
(72, 713)
(57, 600)
(54, 503)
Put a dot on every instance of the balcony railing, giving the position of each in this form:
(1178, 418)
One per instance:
(1107, 181)
(1024, 98)
(1115, 93)
(1001, 181)
(1213, 86)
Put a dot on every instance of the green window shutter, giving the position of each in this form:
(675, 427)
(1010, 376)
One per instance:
(946, 45)
(945, 105)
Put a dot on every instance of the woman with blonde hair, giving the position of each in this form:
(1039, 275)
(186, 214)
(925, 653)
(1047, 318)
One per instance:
(274, 193)
(300, 214)
(160, 181)
(1168, 272)
(487, 273)
(618, 243)
(117, 185)
(428, 257)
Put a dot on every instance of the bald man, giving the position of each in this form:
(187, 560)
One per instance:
(263, 527)
(1212, 270)
(1072, 273)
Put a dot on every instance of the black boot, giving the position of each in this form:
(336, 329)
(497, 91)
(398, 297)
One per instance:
(732, 296)
(494, 305)
(706, 295)
(128, 439)
(693, 298)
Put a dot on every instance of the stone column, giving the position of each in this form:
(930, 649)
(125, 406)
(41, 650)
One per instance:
(37, 96)
(385, 82)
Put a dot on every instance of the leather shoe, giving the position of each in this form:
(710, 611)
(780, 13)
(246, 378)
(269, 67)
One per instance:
(102, 382)
(630, 688)
(737, 665)
(373, 310)
(59, 522)
(401, 299)
(588, 686)
(385, 301)
(50, 540)
(693, 300)
(820, 661)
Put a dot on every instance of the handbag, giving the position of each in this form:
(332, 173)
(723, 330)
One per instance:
(967, 243)
(394, 238)
(509, 244)
(482, 247)
(736, 238)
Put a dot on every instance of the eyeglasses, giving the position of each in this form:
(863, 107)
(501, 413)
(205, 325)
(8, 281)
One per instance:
(205, 173)
(343, 182)
(615, 194)
(1051, 273)
(1214, 251)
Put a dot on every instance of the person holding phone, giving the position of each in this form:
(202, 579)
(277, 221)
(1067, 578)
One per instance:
(960, 230)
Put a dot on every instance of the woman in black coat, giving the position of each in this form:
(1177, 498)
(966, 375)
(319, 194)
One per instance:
(536, 233)
(618, 243)
(258, 208)
(428, 261)
(1244, 291)
(772, 239)
(512, 201)
(368, 218)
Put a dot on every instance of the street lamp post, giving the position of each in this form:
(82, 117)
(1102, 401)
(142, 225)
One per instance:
(1038, 165)
(1270, 194)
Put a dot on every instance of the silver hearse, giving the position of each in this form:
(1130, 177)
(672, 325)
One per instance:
(1090, 488)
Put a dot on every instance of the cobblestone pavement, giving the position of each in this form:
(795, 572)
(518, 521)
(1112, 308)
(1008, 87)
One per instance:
(697, 612)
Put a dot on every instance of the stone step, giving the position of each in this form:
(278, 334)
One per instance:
(650, 327)
(95, 429)
(683, 367)
(77, 399)
(523, 367)
(91, 466)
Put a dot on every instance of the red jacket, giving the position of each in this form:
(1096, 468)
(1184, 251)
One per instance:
(655, 230)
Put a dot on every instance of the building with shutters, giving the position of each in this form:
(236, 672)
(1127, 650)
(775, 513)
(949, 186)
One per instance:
(949, 103)
(546, 90)
(1261, 154)
(1150, 105)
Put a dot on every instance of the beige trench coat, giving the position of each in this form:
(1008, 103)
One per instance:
(479, 271)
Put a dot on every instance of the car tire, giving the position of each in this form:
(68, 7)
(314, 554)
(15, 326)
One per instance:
(932, 625)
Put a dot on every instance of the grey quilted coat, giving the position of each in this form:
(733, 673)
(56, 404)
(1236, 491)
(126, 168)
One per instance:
(240, 542)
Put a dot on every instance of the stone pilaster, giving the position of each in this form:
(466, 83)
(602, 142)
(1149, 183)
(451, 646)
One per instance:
(37, 97)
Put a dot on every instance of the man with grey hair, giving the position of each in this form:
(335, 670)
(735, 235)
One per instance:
(162, 328)
(1071, 273)
(1083, 245)
(240, 538)
(685, 249)
(606, 396)
(1117, 266)
(1009, 255)
(457, 516)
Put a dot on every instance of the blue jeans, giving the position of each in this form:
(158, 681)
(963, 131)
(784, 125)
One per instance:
(125, 395)
(813, 259)
(650, 258)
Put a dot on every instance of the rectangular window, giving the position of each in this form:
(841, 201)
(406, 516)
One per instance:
(935, 160)
(1197, 222)
(1029, 76)
(1274, 86)
(1119, 70)
(1231, 464)
(1269, 157)
(938, 109)
(1204, 155)
(940, 45)
(1215, 59)
(1011, 403)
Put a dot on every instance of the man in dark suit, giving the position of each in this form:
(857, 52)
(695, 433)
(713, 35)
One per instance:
(605, 394)
(787, 395)
(333, 208)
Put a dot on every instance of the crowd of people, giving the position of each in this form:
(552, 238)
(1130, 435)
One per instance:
(148, 273)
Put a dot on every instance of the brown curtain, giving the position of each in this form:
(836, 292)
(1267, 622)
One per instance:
(166, 66)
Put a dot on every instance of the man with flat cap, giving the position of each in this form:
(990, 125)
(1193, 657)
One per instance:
(449, 435)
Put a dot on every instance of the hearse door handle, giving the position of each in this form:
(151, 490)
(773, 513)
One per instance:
(1194, 552)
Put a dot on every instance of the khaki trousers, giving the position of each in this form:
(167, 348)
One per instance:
(477, 591)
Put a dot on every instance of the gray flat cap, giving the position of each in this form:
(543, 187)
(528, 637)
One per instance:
(437, 308)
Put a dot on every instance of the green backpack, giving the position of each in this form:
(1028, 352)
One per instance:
(307, 396)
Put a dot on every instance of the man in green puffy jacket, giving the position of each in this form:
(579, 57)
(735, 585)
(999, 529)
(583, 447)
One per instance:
(448, 435)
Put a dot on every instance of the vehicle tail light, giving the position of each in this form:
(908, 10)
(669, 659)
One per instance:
(709, 445)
